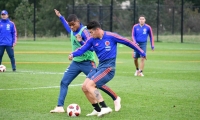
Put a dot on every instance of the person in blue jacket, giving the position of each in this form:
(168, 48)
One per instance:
(8, 38)
(140, 33)
(83, 63)
(104, 44)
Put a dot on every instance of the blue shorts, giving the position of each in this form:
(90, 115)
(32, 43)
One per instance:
(102, 74)
(143, 46)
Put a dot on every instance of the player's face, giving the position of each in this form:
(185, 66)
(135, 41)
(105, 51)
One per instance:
(74, 25)
(94, 33)
(4, 16)
(142, 20)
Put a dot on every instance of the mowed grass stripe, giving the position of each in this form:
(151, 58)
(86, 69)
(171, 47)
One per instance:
(46, 62)
(126, 52)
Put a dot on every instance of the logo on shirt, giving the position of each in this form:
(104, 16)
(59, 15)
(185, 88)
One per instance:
(108, 48)
(8, 27)
(144, 31)
(96, 44)
(107, 43)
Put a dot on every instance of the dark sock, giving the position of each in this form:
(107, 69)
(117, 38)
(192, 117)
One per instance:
(102, 104)
(140, 70)
(137, 68)
(96, 107)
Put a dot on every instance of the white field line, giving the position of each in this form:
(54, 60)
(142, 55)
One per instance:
(35, 88)
(34, 72)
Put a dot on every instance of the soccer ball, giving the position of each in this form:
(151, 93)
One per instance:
(73, 110)
(2, 68)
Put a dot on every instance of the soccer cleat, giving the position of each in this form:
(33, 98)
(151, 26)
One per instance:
(141, 74)
(136, 72)
(58, 110)
(94, 112)
(104, 111)
(117, 104)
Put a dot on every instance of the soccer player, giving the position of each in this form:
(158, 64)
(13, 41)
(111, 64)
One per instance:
(140, 32)
(104, 44)
(8, 38)
(79, 64)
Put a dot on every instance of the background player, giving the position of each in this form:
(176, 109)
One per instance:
(140, 32)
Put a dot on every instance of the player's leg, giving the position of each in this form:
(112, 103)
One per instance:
(86, 68)
(113, 95)
(141, 67)
(69, 75)
(2, 49)
(88, 95)
(10, 52)
(143, 47)
(136, 56)
(100, 78)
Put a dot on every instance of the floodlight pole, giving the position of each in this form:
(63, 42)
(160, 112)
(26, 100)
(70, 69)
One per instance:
(158, 9)
(134, 11)
(111, 15)
(34, 20)
(182, 21)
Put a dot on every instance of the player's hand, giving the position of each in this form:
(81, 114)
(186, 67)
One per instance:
(152, 48)
(144, 57)
(70, 57)
(57, 13)
(78, 37)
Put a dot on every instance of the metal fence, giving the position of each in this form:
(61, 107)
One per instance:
(164, 20)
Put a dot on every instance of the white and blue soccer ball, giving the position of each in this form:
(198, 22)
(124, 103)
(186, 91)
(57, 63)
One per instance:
(73, 110)
(2, 68)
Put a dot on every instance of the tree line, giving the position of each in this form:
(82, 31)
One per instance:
(47, 24)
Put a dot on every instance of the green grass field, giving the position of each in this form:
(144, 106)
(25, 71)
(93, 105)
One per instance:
(170, 89)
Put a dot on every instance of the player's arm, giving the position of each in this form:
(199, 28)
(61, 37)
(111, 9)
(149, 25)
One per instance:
(129, 43)
(83, 38)
(14, 34)
(151, 38)
(133, 34)
(81, 50)
(64, 22)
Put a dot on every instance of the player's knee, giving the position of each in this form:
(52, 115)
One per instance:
(64, 83)
(84, 89)
(90, 84)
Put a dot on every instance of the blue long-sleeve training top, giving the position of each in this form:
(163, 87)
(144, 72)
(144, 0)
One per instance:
(106, 48)
(8, 32)
(141, 33)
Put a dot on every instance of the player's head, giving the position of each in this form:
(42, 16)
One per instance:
(73, 22)
(94, 28)
(142, 19)
(4, 14)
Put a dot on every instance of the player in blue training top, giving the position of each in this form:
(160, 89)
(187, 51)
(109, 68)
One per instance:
(140, 33)
(79, 64)
(104, 44)
(8, 38)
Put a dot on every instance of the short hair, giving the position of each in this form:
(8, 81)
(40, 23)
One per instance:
(142, 16)
(72, 17)
(93, 25)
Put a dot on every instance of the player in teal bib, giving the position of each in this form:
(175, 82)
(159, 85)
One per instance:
(89, 55)
(84, 63)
